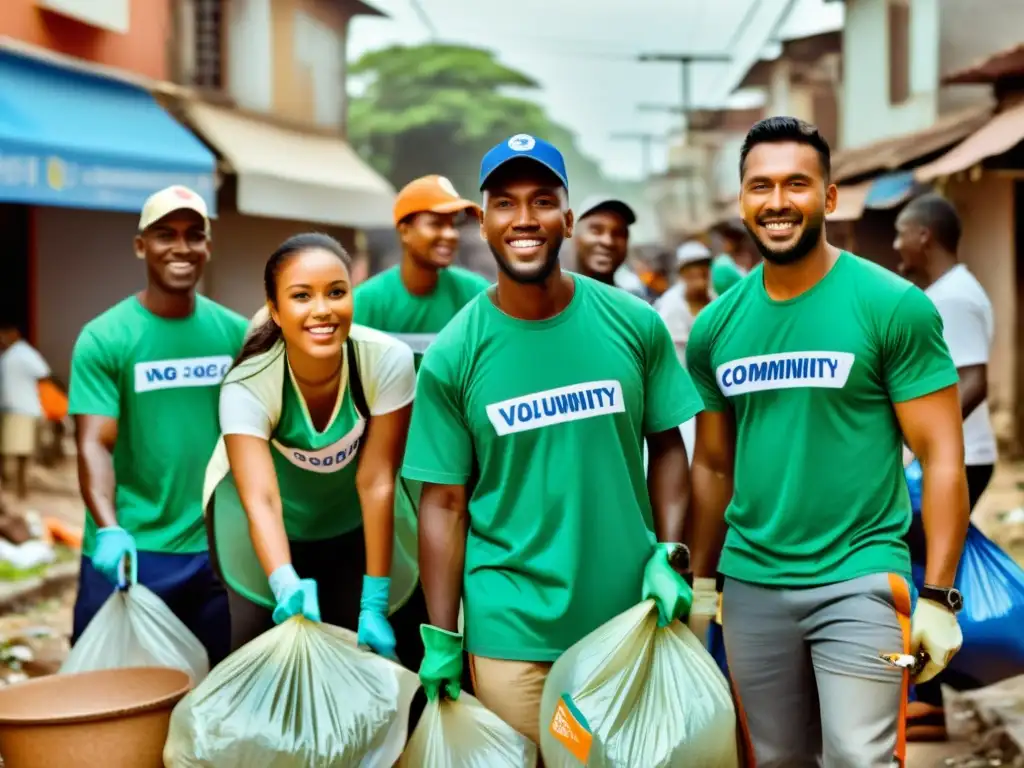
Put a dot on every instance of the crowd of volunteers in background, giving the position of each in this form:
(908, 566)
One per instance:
(473, 477)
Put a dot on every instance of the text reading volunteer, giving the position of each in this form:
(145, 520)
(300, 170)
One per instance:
(812, 369)
(144, 377)
(314, 415)
(543, 388)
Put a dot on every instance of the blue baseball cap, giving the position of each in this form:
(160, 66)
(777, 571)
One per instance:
(523, 146)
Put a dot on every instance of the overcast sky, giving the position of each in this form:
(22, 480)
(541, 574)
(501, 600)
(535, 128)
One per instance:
(585, 60)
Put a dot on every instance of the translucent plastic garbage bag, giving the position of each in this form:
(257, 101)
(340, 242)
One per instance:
(630, 694)
(993, 614)
(465, 734)
(135, 628)
(298, 696)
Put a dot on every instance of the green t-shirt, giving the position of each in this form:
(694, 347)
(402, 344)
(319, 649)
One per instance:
(160, 379)
(819, 493)
(552, 415)
(384, 303)
(725, 273)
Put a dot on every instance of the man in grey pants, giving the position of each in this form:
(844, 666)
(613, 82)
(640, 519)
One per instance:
(812, 371)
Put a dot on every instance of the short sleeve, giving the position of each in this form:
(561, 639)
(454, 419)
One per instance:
(669, 395)
(395, 374)
(242, 413)
(362, 299)
(698, 363)
(440, 448)
(36, 363)
(916, 361)
(95, 378)
(965, 331)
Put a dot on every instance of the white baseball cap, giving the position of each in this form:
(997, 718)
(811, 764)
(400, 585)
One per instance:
(169, 200)
(692, 252)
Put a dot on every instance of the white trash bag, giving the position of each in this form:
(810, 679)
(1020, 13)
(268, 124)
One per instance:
(631, 695)
(135, 628)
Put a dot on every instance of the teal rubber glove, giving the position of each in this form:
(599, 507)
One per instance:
(113, 545)
(441, 670)
(374, 630)
(669, 590)
(294, 596)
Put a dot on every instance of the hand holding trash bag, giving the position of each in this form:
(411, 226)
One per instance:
(294, 596)
(633, 694)
(465, 734)
(374, 630)
(935, 631)
(113, 544)
(666, 586)
(441, 669)
(298, 696)
(135, 628)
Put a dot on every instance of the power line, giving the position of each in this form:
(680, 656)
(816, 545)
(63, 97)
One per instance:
(424, 18)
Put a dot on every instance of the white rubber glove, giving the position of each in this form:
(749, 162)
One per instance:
(934, 630)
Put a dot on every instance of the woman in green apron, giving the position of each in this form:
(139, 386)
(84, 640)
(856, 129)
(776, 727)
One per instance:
(300, 493)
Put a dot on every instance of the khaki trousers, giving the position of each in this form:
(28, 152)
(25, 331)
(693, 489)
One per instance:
(511, 690)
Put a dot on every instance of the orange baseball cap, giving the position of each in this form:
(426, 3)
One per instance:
(431, 193)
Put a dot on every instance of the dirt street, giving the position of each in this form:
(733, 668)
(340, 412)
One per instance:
(55, 493)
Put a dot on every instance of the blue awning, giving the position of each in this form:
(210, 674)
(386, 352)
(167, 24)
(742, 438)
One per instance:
(891, 189)
(79, 140)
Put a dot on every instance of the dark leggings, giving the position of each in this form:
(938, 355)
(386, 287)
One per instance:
(978, 478)
(337, 565)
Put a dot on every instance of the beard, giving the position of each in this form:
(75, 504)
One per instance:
(799, 250)
(530, 278)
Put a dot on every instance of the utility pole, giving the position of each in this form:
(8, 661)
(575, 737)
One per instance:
(686, 62)
(646, 140)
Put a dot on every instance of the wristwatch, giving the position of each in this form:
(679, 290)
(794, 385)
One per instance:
(949, 597)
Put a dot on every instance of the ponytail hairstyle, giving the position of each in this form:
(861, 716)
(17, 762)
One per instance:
(264, 336)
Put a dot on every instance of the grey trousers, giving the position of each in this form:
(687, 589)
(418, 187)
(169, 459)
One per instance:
(810, 685)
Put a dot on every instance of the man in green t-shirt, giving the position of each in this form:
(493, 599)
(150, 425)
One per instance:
(145, 379)
(414, 300)
(542, 390)
(812, 370)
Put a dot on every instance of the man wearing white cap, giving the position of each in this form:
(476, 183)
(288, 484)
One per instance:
(144, 389)
(681, 303)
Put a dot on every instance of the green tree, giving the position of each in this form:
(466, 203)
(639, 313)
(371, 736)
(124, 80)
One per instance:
(437, 108)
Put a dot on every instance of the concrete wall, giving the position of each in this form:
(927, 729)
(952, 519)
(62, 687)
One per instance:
(287, 57)
(866, 114)
(988, 248)
(143, 50)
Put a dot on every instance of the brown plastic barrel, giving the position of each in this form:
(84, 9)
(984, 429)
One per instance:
(114, 718)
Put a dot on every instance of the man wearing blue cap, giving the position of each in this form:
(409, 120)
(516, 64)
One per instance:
(532, 407)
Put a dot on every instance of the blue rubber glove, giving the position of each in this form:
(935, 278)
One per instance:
(294, 596)
(374, 630)
(671, 593)
(113, 545)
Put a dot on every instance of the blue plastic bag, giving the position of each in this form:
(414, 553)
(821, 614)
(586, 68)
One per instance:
(993, 615)
(716, 647)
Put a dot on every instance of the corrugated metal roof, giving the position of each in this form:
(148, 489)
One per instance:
(892, 154)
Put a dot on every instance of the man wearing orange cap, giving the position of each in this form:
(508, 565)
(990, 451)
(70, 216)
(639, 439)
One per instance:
(415, 299)
(145, 380)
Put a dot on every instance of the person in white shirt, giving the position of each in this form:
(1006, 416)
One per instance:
(681, 303)
(21, 370)
(927, 239)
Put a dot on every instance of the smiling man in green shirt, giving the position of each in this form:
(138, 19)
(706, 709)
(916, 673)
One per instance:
(531, 410)
(414, 300)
